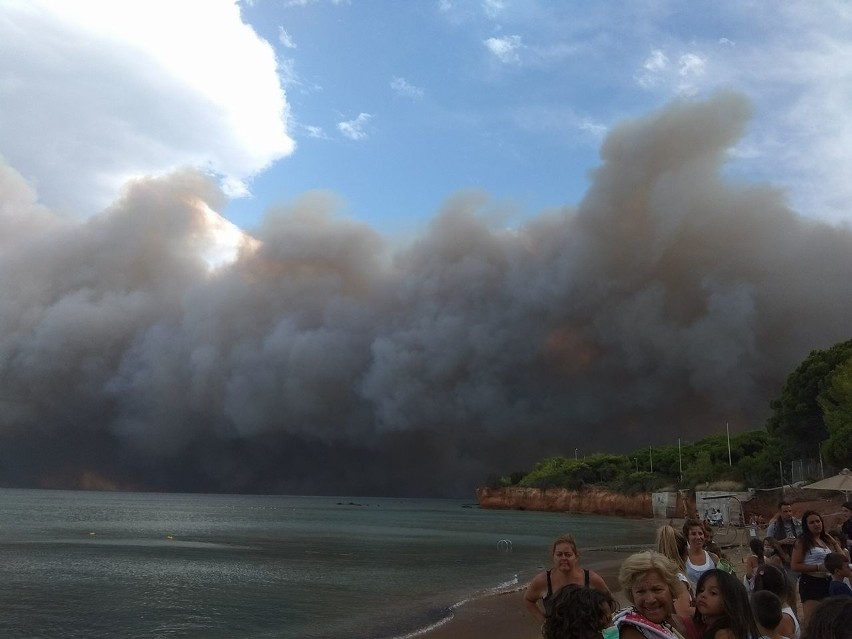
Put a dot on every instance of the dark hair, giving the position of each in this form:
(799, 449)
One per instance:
(772, 579)
(831, 619)
(785, 558)
(841, 537)
(847, 505)
(783, 503)
(756, 546)
(736, 614)
(579, 613)
(807, 538)
(766, 607)
(834, 561)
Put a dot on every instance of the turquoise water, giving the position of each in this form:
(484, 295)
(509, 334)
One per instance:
(90, 564)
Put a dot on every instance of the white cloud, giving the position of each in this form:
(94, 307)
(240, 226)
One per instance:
(316, 132)
(285, 38)
(691, 64)
(402, 87)
(94, 92)
(505, 48)
(493, 8)
(355, 129)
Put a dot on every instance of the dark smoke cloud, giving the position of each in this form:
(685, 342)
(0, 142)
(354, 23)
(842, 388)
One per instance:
(669, 301)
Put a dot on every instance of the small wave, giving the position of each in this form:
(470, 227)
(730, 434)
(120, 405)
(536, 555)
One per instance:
(511, 585)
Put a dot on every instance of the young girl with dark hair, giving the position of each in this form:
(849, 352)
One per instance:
(754, 560)
(722, 609)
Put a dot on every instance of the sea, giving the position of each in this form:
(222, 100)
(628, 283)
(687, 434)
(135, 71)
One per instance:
(149, 565)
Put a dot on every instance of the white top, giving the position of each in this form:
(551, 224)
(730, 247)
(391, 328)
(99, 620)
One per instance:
(694, 572)
(797, 629)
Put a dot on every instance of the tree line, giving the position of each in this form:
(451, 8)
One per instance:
(812, 413)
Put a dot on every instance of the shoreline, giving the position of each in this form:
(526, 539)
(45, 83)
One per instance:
(502, 615)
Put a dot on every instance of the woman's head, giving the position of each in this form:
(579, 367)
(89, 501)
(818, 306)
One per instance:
(812, 524)
(721, 602)
(693, 531)
(564, 552)
(671, 544)
(579, 613)
(770, 578)
(649, 579)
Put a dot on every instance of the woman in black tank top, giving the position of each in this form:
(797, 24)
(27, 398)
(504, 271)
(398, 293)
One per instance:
(566, 570)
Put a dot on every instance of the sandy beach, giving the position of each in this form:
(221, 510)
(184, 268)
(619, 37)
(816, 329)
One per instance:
(503, 616)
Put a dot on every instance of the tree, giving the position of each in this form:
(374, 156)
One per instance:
(797, 421)
(836, 404)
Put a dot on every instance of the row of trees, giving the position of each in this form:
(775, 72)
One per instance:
(814, 409)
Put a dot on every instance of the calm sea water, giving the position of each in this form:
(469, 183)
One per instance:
(111, 565)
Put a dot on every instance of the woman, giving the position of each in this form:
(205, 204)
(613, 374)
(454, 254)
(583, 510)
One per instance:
(649, 579)
(698, 560)
(566, 570)
(673, 545)
(807, 559)
(579, 613)
(754, 560)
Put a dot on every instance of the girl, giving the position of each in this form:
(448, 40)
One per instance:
(579, 613)
(775, 553)
(673, 545)
(754, 560)
(808, 555)
(722, 609)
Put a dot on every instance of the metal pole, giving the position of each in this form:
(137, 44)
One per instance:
(575, 454)
(679, 460)
(728, 430)
(651, 455)
(781, 471)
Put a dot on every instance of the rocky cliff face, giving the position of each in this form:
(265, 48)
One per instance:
(589, 500)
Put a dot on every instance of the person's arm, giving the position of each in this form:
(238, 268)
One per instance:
(682, 603)
(751, 564)
(787, 628)
(533, 593)
(724, 634)
(713, 557)
(596, 581)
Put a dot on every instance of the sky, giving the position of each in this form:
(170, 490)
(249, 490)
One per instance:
(391, 248)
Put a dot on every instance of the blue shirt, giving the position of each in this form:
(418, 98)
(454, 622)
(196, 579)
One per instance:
(838, 588)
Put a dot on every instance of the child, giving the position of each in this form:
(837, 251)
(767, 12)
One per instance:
(754, 560)
(837, 564)
(722, 609)
(579, 613)
(766, 607)
(775, 581)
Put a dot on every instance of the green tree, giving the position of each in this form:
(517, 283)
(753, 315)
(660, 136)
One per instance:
(797, 421)
(836, 404)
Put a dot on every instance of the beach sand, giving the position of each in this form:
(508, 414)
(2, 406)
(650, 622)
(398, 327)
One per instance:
(503, 616)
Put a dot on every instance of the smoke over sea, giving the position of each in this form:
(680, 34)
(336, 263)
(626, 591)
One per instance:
(320, 358)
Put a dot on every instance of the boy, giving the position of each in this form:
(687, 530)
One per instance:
(766, 607)
(838, 566)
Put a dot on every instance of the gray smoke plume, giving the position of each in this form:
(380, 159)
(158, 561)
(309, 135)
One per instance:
(321, 360)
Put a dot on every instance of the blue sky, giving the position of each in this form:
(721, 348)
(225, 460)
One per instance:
(395, 106)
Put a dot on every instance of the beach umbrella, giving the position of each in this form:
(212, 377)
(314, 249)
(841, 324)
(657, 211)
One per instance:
(840, 481)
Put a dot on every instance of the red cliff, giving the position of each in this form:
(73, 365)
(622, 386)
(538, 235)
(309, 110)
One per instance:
(588, 500)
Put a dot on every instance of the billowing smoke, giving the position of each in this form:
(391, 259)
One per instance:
(322, 360)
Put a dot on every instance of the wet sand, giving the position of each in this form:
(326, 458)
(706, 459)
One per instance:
(503, 615)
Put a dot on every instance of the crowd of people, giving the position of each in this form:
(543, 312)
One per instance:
(686, 589)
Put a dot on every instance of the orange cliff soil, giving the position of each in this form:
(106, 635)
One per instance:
(588, 500)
